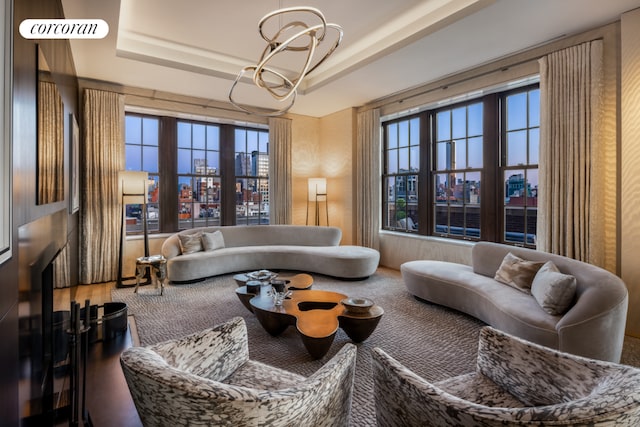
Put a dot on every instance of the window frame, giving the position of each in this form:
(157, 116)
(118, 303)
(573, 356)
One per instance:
(492, 210)
(168, 168)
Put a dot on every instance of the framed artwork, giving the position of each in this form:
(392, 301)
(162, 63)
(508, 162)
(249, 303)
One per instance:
(6, 199)
(75, 164)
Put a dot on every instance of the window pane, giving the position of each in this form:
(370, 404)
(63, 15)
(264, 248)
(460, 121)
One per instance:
(415, 131)
(442, 188)
(133, 155)
(392, 131)
(534, 146)
(185, 202)
(473, 187)
(515, 187)
(534, 108)
(392, 161)
(150, 159)
(459, 118)
(517, 148)
(213, 138)
(133, 130)
(199, 162)
(252, 141)
(150, 131)
(213, 163)
(517, 111)
(403, 157)
(403, 137)
(415, 159)
(184, 135)
(441, 219)
(474, 125)
(263, 142)
(198, 135)
(443, 119)
(443, 156)
(460, 147)
(475, 153)
(184, 160)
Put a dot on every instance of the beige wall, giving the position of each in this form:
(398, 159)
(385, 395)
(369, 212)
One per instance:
(324, 148)
(630, 165)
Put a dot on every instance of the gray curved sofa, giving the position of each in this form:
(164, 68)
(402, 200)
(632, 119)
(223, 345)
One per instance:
(288, 247)
(593, 326)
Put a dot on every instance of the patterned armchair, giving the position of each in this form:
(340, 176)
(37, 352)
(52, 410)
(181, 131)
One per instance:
(515, 383)
(207, 379)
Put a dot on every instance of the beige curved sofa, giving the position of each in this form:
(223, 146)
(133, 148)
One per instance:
(592, 327)
(288, 247)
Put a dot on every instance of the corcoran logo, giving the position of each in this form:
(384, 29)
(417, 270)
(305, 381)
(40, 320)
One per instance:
(64, 29)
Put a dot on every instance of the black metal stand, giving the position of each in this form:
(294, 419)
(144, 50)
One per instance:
(78, 351)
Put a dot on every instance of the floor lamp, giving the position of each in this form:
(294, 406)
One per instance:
(317, 193)
(133, 187)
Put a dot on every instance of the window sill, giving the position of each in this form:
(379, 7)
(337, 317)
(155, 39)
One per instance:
(442, 240)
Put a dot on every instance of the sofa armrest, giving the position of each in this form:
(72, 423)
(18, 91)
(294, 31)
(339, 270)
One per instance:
(534, 374)
(590, 317)
(213, 353)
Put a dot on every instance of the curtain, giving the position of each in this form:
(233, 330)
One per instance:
(368, 178)
(102, 158)
(571, 188)
(51, 144)
(280, 186)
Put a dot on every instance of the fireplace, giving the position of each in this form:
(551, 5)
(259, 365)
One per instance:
(41, 386)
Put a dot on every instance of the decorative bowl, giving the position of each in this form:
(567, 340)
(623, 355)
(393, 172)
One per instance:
(357, 305)
(262, 275)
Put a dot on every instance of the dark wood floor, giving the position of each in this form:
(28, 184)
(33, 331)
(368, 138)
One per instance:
(108, 401)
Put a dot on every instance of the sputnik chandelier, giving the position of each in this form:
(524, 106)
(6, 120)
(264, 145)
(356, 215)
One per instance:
(298, 35)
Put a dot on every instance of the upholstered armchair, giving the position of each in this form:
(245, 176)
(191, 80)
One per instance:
(207, 379)
(515, 383)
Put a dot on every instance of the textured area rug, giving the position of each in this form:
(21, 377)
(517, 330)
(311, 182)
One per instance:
(433, 341)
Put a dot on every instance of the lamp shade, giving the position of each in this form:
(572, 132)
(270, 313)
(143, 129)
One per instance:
(317, 187)
(133, 186)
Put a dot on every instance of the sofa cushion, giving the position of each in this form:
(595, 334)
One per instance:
(517, 272)
(553, 290)
(212, 241)
(190, 243)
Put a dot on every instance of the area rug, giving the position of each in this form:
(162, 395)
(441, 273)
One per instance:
(433, 341)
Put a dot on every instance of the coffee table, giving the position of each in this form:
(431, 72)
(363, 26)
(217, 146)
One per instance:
(317, 315)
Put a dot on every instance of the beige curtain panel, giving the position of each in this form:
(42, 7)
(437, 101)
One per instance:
(571, 196)
(51, 144)
(368, 179)
(280, 185)
(103, 157)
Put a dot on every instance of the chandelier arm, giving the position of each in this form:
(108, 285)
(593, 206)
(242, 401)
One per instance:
(257, 75)
(333, 48)
(286, 10)
(257, 111)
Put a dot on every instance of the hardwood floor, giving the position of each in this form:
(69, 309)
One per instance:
(97, 294)
(108, 401)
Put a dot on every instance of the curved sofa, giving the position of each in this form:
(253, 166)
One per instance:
(287, 247)
(593, 326)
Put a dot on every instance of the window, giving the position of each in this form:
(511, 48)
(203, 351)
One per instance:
(141, 154)
(252, 176)
(457, 174)
(204, 166)
(401, 168)
(521, 142)
(478, 165)
(198, 175)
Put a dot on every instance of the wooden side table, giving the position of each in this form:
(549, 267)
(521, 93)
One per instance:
(158, 266)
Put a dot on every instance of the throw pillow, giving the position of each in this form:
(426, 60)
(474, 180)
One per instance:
(190, 243)
(517, 272)
(212, 241)
(553, 290)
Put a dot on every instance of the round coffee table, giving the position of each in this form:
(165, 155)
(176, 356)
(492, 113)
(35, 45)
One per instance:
(317, 315)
